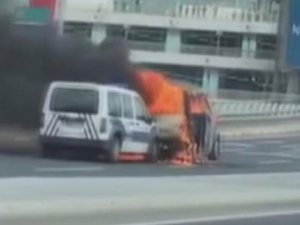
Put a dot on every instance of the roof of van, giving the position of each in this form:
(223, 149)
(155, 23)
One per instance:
(69, 84)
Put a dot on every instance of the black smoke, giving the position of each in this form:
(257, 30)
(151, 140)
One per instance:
(33, 56)
(37, 51)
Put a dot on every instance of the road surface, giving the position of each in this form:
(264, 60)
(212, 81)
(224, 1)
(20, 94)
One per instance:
(261, 155)
(256, 182)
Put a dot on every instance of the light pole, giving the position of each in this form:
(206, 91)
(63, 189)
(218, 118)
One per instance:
(281, 45)
(59, 16)
(127, 29)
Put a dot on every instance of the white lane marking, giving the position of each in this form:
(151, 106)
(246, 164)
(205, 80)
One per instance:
(274, 154)
(237, 144)
(224, 218)
(270, 162)
(294, 151)
(271, 142)
(67, 169)
(233, 150)
(293, 146)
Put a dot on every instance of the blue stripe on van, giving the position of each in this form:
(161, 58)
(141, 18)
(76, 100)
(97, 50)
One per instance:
(53, 131)
(89, 127)
(49, 124)
(89, 117)
(53, 125)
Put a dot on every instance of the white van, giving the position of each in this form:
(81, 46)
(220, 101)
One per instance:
(93, 116)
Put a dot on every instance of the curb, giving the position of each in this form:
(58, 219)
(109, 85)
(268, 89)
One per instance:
(233, 196)
(82, 207)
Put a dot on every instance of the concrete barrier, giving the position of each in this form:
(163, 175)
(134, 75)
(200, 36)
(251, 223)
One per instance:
(80, 200)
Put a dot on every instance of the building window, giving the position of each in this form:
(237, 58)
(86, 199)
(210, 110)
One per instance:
(266, 42)
(115, 31)
(266, 46)
(142, 34)
(78, 30)
(147, 34)
(246, 81)
(139, 38)
(231, 40)
(202, 38)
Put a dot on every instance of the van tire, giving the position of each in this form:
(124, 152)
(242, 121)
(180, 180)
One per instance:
(215, 153)
(153, 152)
(49, 151)
(114, 149)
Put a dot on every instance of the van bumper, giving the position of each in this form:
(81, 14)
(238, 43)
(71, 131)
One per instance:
(75, 143)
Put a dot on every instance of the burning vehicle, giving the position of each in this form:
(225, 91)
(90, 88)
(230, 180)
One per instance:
(186, 123)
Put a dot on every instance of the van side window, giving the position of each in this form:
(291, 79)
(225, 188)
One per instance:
(140, 110)
(114, 104)
(127, 106)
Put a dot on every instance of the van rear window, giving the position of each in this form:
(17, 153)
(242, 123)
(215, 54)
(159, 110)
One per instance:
(74, 100)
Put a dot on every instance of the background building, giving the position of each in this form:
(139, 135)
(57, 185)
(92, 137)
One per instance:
(216, 44)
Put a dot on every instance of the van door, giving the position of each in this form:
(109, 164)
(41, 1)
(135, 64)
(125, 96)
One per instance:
(142, 129)
(121, 124)
(129, 144)
(73, 113)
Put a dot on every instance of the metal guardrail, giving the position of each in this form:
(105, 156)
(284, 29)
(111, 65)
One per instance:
(258, 96)
(238, 108)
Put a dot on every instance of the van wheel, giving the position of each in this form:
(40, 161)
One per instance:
(49, 151)
(215, 153)
(114, 150)
(153, 152)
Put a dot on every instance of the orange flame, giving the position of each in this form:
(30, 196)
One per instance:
(160, 95)
(163, 97)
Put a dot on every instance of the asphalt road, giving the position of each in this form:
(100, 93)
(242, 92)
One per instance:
(255, 155)
(259, 158)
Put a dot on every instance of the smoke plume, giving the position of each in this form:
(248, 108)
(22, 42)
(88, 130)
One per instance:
(33, 56)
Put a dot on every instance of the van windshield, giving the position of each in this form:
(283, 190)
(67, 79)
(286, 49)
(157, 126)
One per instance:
(74, 100)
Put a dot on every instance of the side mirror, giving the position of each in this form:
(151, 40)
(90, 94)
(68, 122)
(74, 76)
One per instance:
(148, 120)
